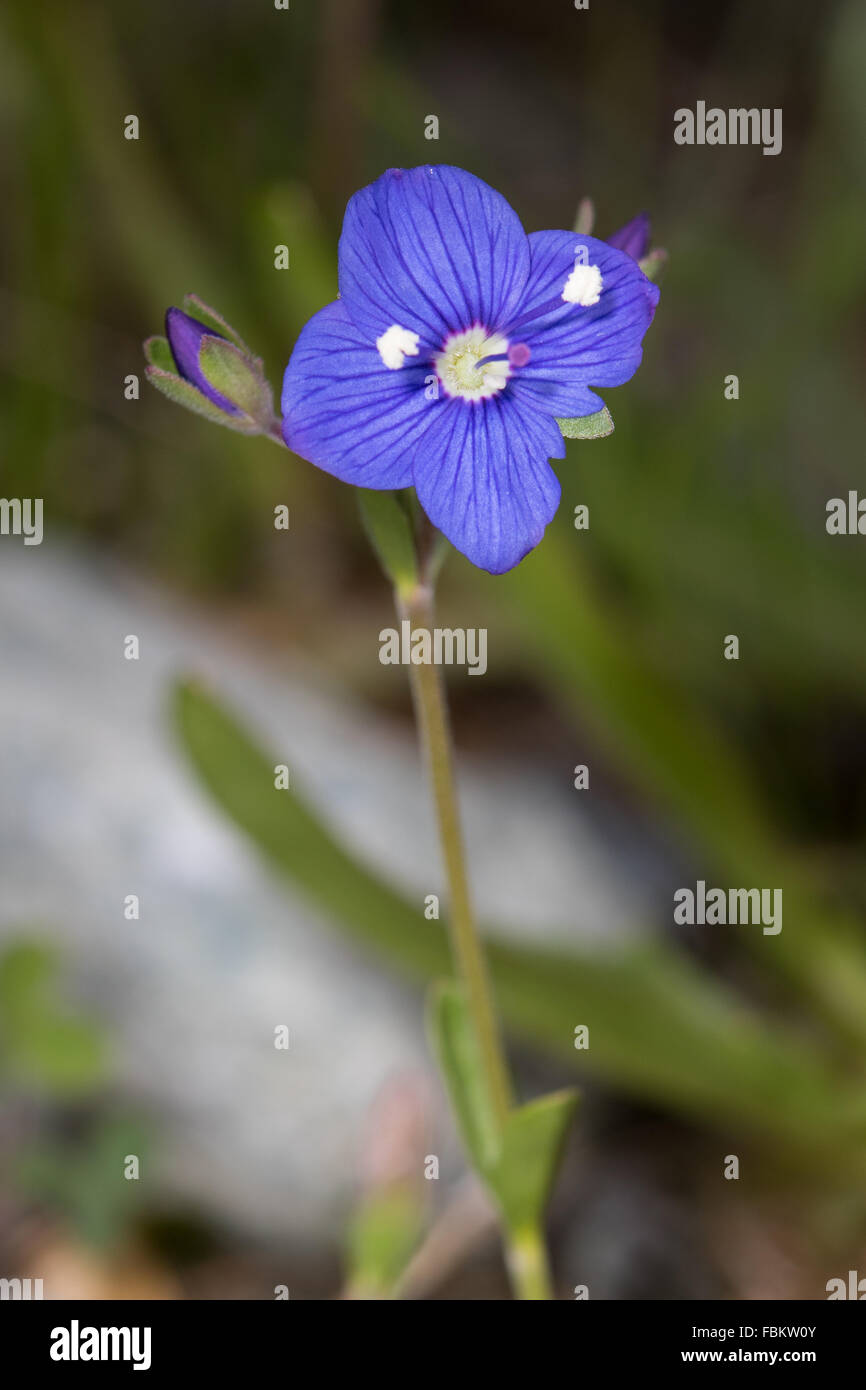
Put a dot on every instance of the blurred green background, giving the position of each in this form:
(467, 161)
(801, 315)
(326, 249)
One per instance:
(706, 515)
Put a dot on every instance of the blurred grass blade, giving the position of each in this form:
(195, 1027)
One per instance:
(41, 1044)
(383, 1235)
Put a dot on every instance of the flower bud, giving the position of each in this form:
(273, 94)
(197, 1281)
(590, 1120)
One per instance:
(204, 365)
(633, 238)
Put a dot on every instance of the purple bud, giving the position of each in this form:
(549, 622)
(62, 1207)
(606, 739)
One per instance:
(634, 237)
(184, 338)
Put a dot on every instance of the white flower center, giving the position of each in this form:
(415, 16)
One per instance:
(395, 344)
(457, 364)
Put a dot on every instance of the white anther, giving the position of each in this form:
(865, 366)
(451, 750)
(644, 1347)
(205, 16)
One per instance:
(583, 285)
(395, 344)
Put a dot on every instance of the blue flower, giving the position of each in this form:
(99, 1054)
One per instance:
(455, 345)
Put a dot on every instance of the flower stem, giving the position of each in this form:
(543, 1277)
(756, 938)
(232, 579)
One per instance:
(525, 1249)
(432, 717)
(527, 1263)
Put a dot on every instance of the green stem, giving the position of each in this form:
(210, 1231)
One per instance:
(431, 711)
(527, 1263)
(525, 1251)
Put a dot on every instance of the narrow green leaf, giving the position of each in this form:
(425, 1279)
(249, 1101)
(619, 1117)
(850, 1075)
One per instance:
(518, 1163)
(597, 426)
(389, 529)
(455, 1045)
(184, 393)
(235, 377)
(531, 1151)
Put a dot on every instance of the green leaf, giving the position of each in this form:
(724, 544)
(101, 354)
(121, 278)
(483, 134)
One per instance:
(597, 426)
(517, 1163)
(237, 378)
(389, 529)
(455, 1046)
(197, 309)
(531, 1151)
(294, 839)
(159, 354)
(183, 393)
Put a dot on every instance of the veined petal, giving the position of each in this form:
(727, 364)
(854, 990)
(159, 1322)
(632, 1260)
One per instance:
(432, 250)
(575, 346)
(346, 412)
(482, 476)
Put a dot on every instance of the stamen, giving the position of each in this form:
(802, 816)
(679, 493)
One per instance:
(583, 285)
(395, 344)
(517, 356)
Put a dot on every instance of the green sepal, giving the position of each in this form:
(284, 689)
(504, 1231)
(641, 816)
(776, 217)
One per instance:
(197, 309)
(183, 392)
(390, 532)
(654, 263)
(237, 378)
(597, 426)
(158, 353)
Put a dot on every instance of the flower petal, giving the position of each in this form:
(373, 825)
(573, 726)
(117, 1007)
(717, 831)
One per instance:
(482, 477)
(574, 346)
(346, 412)
(433, 250)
